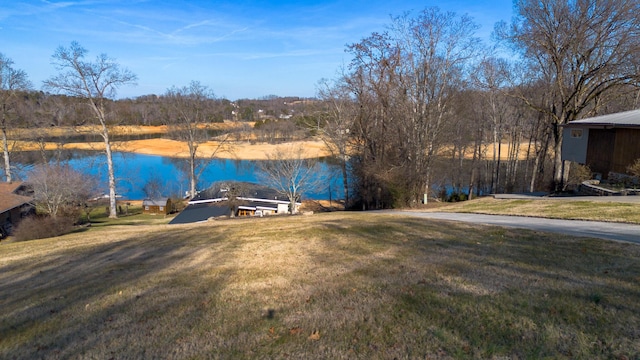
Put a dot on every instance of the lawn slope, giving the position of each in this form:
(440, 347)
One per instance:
(564, 208)
(334, 285)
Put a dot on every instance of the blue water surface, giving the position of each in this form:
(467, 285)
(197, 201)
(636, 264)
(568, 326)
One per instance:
(133, 171)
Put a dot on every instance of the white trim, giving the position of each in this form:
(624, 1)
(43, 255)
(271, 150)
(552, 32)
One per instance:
(266, 208)
(256, 208)
(241, 198)
(269, 200)
(192, 202)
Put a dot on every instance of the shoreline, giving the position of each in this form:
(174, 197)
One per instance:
(233, 150)
(245, 149)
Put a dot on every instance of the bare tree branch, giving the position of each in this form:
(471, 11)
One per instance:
(291, 173)
(95, 82)
(11, 81)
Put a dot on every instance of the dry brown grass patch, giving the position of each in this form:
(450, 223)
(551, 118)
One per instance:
(333, 285)
(559, 209)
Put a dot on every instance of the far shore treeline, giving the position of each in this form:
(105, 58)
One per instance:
(421, 107)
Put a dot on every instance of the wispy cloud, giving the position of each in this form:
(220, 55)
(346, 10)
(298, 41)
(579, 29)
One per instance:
(278, 42)
(191, 34)
(54, 5)
(288, 54)
(196, 25)
(58, 5)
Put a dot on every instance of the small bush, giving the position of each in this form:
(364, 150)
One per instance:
(634, 169)
(455, 197)
(42, 227)
(578, 174)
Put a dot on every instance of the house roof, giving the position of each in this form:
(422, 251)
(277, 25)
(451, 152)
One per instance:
(8, 197)
(155, 202)
(621, 119)
(200, 212)
(214, 202)
(242, 189)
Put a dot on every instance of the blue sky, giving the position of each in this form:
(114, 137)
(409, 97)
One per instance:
(239, 49)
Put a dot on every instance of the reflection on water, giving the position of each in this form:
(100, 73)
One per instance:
(133, 171)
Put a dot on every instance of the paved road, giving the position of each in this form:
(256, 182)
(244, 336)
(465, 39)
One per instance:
(592, 229)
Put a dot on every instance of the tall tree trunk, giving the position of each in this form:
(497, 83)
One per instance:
(534, 173)
(528, 164)
(292, 204)
(345, 180)
(498, 163)
(558, 167)
(5, 152)
(541, 154)
(512, 161)
(477, 157)
(113, 213)
(427, 182)
(192, 175)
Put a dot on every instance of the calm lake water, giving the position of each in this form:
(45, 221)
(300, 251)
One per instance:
(133, 171)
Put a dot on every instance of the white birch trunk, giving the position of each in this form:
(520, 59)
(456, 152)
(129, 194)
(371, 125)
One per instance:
(5, 151)
(113, 213)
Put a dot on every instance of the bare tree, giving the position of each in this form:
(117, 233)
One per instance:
(437, 49)
(339, 120)
(582, 52)
(376, 158)
(11, 81)
(96, 82)
(189, 112)
(153, 187)
(59, 189)
(291, 173)
(405, 81)
(492, 76)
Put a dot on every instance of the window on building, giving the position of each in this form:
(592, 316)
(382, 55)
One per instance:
(576, 133)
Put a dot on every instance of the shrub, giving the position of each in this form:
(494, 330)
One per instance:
(455, 197)
(59, 190)
(40, 227)
(578, 174)
(634, 169)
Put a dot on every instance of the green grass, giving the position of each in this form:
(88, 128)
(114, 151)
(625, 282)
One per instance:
(335, 285)
(557, 209)
(99, 217)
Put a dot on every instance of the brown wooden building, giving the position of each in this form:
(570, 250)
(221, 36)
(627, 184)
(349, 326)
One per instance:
(156, 206)
(15, 204)
(608, 143)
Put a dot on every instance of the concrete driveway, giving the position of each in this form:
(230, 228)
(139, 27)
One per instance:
(592, 229)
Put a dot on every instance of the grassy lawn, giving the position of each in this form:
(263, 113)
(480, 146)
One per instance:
(131, 215)
(557, 209)
(333, 285)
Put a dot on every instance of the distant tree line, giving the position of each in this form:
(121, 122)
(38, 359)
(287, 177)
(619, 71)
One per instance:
(30, 107)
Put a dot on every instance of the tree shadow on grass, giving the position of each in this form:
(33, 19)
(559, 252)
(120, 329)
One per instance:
(378, 287)
(92, 299)
(481, 291)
